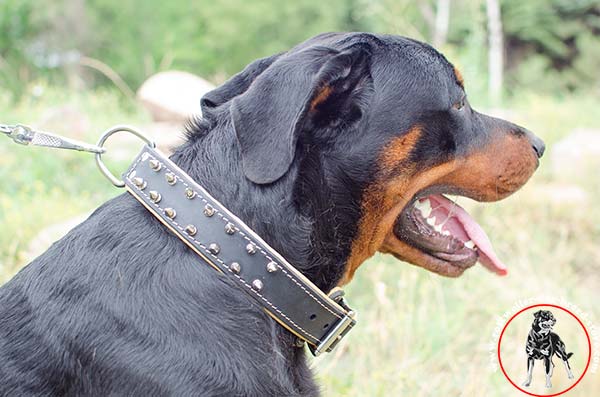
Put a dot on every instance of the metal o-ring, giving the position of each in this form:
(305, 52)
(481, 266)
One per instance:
(101, 166)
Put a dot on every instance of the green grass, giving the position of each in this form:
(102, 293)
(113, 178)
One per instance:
(42, 186)
(418, 334)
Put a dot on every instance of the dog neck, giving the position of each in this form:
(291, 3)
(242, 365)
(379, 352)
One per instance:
(541, 331)
(544, 331)
(296, 215)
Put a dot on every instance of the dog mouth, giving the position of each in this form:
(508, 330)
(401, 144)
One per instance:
(546, 325)
(446, 234)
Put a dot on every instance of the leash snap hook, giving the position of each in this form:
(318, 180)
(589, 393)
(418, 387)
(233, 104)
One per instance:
(25, 135)
(100, 163)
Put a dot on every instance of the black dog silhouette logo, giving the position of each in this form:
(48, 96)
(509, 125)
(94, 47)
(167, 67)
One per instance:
(543, 344)
(557, 337)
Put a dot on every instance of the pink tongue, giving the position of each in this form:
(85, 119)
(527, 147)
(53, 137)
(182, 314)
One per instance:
(487, 256)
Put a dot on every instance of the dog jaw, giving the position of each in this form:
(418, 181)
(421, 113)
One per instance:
(488, 174)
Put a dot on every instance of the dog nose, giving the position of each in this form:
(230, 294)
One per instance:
(539, 147)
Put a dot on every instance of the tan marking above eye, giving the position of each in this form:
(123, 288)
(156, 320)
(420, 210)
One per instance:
(459, 77)
(460, 104)
(320, 97)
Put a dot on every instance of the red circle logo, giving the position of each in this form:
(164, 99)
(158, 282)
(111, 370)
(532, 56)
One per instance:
(499, 349)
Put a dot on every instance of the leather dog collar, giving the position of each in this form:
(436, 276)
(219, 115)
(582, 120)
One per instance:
(227, 244)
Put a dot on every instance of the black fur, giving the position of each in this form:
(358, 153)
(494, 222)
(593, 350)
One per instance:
(121, 307)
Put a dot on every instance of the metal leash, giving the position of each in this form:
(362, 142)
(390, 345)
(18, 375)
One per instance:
(25, 135)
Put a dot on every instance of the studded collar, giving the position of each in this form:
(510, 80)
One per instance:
(228, 245)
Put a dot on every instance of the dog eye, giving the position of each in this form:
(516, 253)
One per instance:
(460, 104)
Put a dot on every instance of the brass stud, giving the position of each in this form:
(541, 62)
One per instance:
(209, 210)
(191, 230)
(229, 228)
(139, 182)
(155, 165)
(251, 249)
(190, 193)
(214, 248)
(170, 212)
(171, 179)
(271, 267)
(257, 285)
(235, 267)
(155, 196)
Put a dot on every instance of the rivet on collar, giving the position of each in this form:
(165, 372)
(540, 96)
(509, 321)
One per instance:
(170, 212)
(251, 249)
(257, 285)
(214, 248)
(229, 228)
(190, 193)
(235, 267)
(171, 179)
(155, 196)
(209, 210)
(271, 267)
(191, 230)
(139, 182)
(155, 165)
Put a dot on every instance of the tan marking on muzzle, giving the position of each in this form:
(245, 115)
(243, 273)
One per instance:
(488, 174)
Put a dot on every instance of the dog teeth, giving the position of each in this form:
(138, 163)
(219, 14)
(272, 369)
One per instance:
(423, 206)
(431, 221)
(470, 244)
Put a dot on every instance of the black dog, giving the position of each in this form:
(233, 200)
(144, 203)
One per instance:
(324, 151)
(542, 344)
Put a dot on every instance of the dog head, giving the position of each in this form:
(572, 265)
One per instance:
(371, 131)
(543, 321)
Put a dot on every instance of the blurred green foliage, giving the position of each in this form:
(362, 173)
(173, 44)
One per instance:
(17, 30)
(559, 41)
(551, 46)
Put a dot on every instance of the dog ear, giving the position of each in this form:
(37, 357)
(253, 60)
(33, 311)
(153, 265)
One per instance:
(270, 115)
(236, 85)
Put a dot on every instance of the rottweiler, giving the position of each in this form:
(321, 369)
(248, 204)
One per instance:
(543, 344)
(343, 146)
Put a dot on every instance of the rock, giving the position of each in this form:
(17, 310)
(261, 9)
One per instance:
(576, 153)
(166, 135)
(173, 95)
(65, 120)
